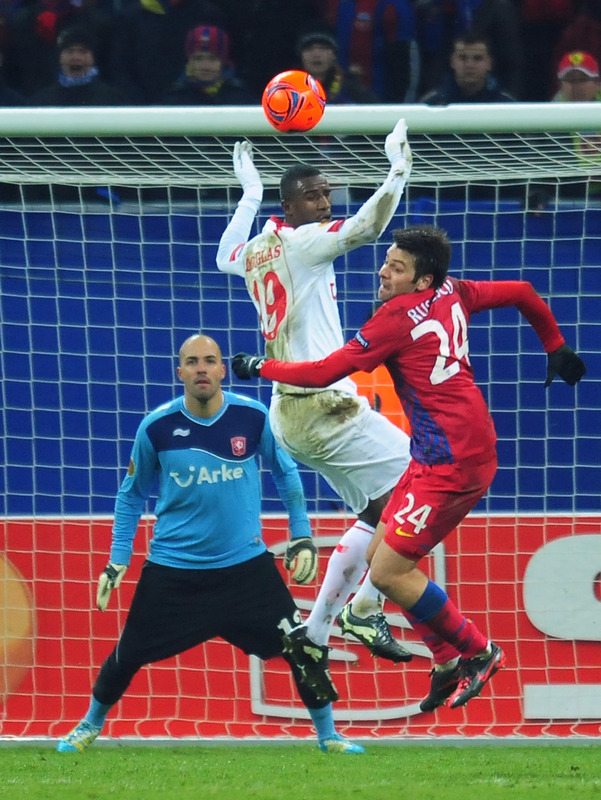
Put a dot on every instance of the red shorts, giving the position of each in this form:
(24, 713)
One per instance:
(429, 502)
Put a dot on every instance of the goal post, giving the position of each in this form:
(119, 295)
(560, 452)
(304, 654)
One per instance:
(109, 226)
(190, 146)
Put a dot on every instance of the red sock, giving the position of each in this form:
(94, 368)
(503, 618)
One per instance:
(446, 632)
(457, 630)
(442, 651)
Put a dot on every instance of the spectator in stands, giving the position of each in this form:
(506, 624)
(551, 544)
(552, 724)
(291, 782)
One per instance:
(317, 51)
(209, 77)
(579, 82)
(440, 21)
(148, 50)
(33, 33)
(77, 82)
(471, 79)
(543, 22)
(578, 76)
(583, 34)
(377, 43)
(263, 33)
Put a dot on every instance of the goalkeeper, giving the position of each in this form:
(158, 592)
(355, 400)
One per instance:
(208, 572)
(290, 278)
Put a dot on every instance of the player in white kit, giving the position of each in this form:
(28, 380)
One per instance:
(290, 278)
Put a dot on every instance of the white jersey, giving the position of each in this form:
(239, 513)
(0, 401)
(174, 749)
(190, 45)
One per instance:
(290, 276)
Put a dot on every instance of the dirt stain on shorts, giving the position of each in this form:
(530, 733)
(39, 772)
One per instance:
(307, 422)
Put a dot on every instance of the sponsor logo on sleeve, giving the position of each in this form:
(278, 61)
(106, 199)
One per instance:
(362, 340)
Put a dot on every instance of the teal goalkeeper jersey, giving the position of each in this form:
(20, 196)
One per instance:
(209, 488)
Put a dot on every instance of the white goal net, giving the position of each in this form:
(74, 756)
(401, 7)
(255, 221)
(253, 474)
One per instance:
(109, 224)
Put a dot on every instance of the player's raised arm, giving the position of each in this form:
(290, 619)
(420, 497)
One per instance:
(238, 230)
(372, 218)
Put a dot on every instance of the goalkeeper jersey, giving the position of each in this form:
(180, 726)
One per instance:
(209, 488)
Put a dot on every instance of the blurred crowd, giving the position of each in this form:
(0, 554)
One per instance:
(208, 52)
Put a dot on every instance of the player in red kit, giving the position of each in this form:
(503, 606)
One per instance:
(421, 334)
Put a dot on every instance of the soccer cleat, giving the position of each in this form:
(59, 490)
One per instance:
(475, 673)
(312, 661)
(78, 739)
(374, 633)
(338, 744)
(444, 683)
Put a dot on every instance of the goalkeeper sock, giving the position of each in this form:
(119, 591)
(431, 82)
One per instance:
(96, 714)
(323, 720)
(345, 568)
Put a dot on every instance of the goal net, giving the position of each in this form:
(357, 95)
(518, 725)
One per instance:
(110, 221)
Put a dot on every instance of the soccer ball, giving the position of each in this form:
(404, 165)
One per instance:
(294, 101)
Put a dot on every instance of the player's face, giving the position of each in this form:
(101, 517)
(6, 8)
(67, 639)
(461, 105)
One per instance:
(201, 370)
(311, 202)
(397, 275)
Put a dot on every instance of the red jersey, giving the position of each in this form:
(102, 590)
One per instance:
(422, 338)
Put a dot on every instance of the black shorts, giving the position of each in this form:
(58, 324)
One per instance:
(172, 610)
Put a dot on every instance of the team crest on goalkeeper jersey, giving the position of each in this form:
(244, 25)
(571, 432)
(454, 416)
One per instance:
(238, 445)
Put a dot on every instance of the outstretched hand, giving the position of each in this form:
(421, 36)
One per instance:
(565, 363)
(398, 151)
(246, 366)
(246, 172)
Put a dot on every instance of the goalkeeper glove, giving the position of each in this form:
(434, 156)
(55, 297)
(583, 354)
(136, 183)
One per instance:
(111, 577)
(565, 363)
(246, 172)
(301, 560)
(398, 150)
(246, 366)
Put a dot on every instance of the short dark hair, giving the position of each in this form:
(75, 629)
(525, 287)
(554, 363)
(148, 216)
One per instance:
(431, 248)
(293, 176)
(473, 37)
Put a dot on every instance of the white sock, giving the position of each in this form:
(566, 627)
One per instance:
(368, 599)
(448, 666)
(345, 568)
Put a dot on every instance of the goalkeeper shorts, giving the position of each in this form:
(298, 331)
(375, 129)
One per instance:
(172, 610)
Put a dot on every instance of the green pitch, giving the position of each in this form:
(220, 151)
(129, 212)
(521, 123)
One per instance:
(301, 772)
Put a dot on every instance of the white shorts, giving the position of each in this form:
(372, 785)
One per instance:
(359, 452)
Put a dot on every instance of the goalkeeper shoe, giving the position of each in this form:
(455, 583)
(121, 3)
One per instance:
(475, 673)
(312, 661)
(374, 633)
(444, 683)
(79, 739)
(338, 744)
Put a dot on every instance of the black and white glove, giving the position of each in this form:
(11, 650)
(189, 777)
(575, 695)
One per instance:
(301, 560)
(398, 151)
(246, 172)
(110, 578)
(565, 363)
(246, 366)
